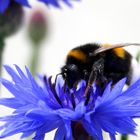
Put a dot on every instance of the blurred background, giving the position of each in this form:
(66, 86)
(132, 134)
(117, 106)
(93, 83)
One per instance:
(101, 21)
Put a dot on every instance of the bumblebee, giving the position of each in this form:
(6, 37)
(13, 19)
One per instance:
(100, 63)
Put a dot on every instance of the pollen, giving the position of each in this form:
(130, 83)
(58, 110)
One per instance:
(77, 54)
(120, 52)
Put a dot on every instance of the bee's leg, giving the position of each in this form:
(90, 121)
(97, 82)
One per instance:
(85, 74)
(97, 71)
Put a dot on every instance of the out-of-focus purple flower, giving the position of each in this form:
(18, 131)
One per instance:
(37, 29)
(42, 108)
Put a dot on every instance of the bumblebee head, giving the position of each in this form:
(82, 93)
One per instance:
(70, 74)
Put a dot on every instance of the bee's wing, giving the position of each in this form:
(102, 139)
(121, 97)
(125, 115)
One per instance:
(104, 48)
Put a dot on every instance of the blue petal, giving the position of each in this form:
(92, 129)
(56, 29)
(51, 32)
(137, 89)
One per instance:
(3, 5)
(24, 109)
(58, 87)
(90, 129)
(117, 89)
(104, 96)
(11, 102)
(20, 86)
(39, 137)
(133, 90)
(12, 118)
(34, 125)
(60, 133)
(114, 111)
(123, 125)
(22, 75)
(67, 2)
(68, 130)
(112, 137)
(23, 2)
(35, 87)
(14, 128)
(107, 91)
(68, 114)
(11, 88)
(13, 74)
(80, 109)
(47, 127)
(40, 115)
(98, 129)
(51, 2)
(111, 95)
(26, 134)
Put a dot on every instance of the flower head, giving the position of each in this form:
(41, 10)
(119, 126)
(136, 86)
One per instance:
(37, 29)
(42, 108)
(56, 3)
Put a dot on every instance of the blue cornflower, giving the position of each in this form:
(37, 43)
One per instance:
(56, 3)
(41, 108)
(5, 3)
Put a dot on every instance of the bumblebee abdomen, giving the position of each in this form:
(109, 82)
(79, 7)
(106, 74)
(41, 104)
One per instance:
(118, 64)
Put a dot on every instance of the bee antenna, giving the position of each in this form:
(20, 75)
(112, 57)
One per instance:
(65, 83)
(64, 87)
(64, 80)
(57, 76)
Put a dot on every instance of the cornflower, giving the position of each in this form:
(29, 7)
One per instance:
(41, 108)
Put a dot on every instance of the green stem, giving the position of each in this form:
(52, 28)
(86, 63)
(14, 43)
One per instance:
(124, 137)
(34, 59)
(33, 67)
(138, 57)
(1, 52)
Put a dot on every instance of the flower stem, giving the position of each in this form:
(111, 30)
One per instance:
(1, 51)
(33, 66)
(124, 137)
(138, 56)
(34, 59)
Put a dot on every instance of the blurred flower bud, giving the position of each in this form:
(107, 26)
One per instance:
(37, 27)
(11, 19)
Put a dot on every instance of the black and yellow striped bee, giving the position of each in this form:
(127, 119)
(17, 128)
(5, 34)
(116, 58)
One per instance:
(100, 63)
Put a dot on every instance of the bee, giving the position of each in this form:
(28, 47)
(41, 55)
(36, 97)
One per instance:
(100, 63)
